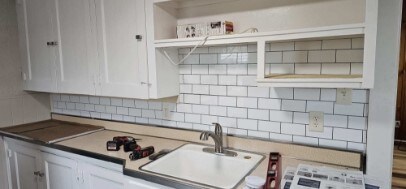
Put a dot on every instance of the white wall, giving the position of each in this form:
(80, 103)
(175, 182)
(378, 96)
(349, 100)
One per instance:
(16, 106)
(382, 110)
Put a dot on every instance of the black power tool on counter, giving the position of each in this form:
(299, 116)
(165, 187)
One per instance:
(130, 144)
(141, 153)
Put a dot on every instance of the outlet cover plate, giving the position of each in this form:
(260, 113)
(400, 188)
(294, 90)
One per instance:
(344, 96)
(316, 121)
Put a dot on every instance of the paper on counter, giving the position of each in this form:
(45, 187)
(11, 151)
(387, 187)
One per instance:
(314, 177)
(288, 176)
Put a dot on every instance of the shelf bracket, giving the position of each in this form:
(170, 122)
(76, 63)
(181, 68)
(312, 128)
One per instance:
(261, 59)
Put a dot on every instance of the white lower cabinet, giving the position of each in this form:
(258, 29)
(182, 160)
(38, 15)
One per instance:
(60, 172)
(32, 166)
(24, 167)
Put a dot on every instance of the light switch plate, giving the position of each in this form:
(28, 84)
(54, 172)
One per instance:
(165, 111)
(344, 96)
(316, 121)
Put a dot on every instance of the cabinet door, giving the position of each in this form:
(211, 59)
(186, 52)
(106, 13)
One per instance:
(142, 184)
(76, 46)
(122, 58)
(97, 177)
(24, 162)
(38, 58)
(60, 172)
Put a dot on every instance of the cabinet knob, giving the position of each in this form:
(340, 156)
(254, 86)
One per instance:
(138, 37)
(38, 173)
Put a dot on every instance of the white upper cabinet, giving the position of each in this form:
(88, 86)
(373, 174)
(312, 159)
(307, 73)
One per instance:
(92, 47)
(38, 57)
(75, 56)
(122, 57)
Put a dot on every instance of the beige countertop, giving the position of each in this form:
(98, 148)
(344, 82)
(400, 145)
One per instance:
(96, 143)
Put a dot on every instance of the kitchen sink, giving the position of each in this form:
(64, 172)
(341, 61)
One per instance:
(190, 163)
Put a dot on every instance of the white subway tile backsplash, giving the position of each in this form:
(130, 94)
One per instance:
(258, 92)
(322, 56)
(227, 80)
(293, 129)
(218, 110)
(258, 134)
(336, 68)
(258, 114)
(218, 84)
(282, 46)
(237, 91)
(191, 99)
(320, 106)
(307, 94)
(209, 120)
(302, 118)
(307, 45)
(227, 121)
(200, 89)
(227, 58)
(247, 80)
(129, 103)
(191, 79)
(269, 126)
(249, 124)
(350, 55)
(280, 137)
(208, 59)
(209, 79)
(294, 56)
(326, 134)
(237, 69)
(200, 69)
(227, 101)
(307, 68)
(335, 121)
(282, 68)
(283, 93)
(273, 57)
(218, 90)
(357, 122)
(237, 112)
(328, 95)
(337, 44)
(294, 105)
(354, 109)
(271, 104)
(281, 116)
(247, 102)
(333, 143)
(306, 140)
(347, 134)
(193, 118)
(134, 112)
(208, 100)
(237, 132)
(245, 58)
(358, 43)
(122, 111)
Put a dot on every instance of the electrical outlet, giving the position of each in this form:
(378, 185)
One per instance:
(316, 121)
(344, 96)
(165, 111)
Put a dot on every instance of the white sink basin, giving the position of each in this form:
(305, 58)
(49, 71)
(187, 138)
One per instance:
(190, 163)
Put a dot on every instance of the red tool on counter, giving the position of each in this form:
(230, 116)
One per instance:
(129, 144)
(141, 153)
(273, 176)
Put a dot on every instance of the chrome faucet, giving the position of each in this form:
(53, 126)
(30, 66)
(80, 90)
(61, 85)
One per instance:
(217, 136)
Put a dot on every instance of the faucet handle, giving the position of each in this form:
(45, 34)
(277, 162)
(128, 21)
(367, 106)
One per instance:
(218, 130)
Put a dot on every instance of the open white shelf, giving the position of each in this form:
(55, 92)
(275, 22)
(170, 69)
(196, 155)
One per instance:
(277, 21)
(337, 31)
